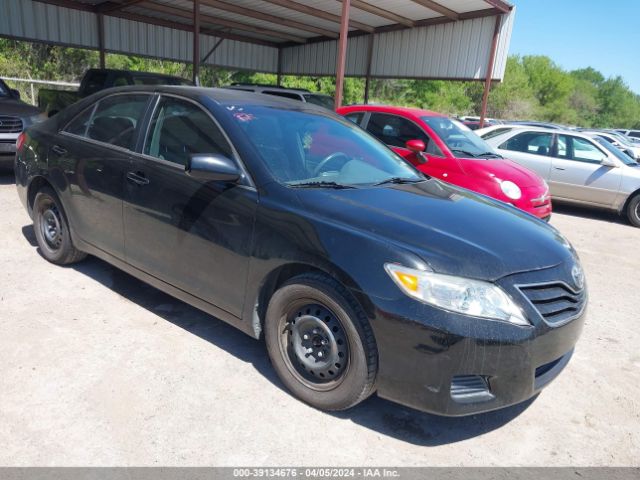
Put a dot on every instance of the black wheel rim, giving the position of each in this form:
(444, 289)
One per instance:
(51, 226)
(314, 345)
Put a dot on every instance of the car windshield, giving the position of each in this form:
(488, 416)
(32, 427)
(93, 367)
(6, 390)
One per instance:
(461, 140)
(323, 100)
(619, 154)
(317, 150)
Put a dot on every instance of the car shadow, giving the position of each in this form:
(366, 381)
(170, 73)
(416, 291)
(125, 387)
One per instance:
(590, 213)
(377, 414)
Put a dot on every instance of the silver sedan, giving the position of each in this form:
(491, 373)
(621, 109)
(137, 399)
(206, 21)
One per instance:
(579, 168)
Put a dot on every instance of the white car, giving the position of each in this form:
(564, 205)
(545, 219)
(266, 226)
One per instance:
(579, 168)
(617, 140)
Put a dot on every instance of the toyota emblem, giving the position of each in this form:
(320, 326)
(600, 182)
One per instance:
(578, 276)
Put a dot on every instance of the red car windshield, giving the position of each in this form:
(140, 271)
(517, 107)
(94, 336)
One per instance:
(460, 139)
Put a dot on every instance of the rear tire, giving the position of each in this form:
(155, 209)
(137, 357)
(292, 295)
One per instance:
(633, 210)
(320, 343)
(52, 229)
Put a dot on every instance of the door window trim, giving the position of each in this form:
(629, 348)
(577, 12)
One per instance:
(235, 155)
(98, 142)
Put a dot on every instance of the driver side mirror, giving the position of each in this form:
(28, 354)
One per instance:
(608, 162)
(15, 93)
(418, 147)
(212, 167)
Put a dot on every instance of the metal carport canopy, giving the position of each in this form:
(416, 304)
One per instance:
(425, 39)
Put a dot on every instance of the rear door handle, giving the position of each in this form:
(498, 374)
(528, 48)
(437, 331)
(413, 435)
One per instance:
(59, 150)
(559, 168)
(138, 178)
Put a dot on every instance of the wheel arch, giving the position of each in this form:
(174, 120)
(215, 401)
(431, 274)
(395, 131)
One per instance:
(625, 204)
(275, 278)
(35, 185)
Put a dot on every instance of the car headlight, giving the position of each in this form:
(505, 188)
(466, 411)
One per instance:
(511, 190)
(457, 294)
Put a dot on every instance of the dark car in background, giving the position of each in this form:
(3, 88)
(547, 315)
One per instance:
(95, 79)
(15, 116)
(299, 94)
(293, 224)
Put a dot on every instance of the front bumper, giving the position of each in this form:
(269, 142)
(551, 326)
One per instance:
(453, 365)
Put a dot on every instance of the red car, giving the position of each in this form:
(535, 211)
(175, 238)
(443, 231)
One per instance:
(445, 149)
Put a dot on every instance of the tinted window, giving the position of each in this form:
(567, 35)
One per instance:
(179, 129)
(116, 119)
(311, 147)
(355, 117)
(538, 143)
(78, 126)
(293, 96)
(635, 134)
(395, 131)
(120, 80)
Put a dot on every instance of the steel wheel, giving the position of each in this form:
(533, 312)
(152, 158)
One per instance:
(51, 227)
(315, 345)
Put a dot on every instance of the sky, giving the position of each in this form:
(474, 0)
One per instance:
(603, 34)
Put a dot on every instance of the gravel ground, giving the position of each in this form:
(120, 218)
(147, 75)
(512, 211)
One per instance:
(99, 369)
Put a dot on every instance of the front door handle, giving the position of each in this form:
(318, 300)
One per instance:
(559, 168)
(138, 178)
(59, 150)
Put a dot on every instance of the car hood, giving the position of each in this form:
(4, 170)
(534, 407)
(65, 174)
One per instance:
(454, 230)
(11, 106)
(502, 169)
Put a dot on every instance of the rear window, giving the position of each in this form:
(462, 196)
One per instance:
(495, 133)
(292, 96)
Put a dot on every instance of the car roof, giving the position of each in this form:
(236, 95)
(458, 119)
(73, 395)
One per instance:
(518, 128)
(405, 111)
(224, 96)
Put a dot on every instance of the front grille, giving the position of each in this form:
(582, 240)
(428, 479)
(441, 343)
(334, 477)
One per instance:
(10, 124)
(556, 302)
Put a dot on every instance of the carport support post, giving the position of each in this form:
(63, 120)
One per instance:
(100, 20)
(367, 79)
(196, 42)
(487, 81)
(342, 52)
(279, 73)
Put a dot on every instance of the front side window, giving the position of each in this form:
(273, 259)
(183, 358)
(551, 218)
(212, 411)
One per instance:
(179, 129)
(313, 148)
(394, 131)
(578, 149)
(459, 139)
(537, 143)
(355, 117)
(114, 120)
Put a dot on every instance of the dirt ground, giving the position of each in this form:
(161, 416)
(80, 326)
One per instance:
(97, 369)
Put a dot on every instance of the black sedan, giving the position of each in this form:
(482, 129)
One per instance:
(295, 225)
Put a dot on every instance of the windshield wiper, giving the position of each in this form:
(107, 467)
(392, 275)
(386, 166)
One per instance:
(464, 152)
(320, 184)
(489, 154)
(399, 180)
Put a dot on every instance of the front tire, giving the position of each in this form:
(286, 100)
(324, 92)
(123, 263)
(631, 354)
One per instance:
(52, 229)
(633, 210)
(320, 343)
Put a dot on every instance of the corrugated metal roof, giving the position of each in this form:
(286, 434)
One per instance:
(255, 31)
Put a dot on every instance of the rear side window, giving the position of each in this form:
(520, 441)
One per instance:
(537, 143)
(114, 120)
(634, 133)
(179, 129)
